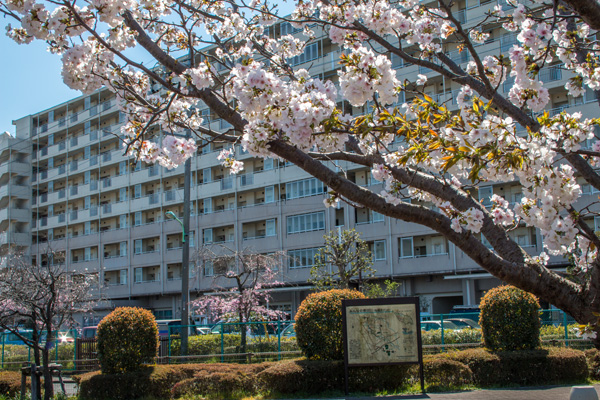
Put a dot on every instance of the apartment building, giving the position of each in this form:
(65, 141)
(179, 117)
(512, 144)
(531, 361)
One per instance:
(65, 185)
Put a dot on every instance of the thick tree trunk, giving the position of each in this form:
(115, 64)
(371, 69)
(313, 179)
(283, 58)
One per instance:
(243, 337)
(48, 386)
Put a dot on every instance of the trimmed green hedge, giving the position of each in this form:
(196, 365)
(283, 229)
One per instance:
(510, 319)
(10, 383)
(222, 380)
(150, 381)
(126, 339)
(442, 371)
(317, 376)
(319, 323)
(211, 344)
(451, 336)
(593, 362)
(525, 367)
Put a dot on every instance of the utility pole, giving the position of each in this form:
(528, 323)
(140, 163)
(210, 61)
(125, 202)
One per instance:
(185, 267)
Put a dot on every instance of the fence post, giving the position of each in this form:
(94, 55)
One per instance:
(222, 344)
(279, 339)
(28, 354)
(442, 325)
(566, 329)
(75, 348)
(3, 340)
(169, 344)
(56, 348)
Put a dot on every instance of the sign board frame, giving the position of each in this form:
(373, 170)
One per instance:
(378, 303)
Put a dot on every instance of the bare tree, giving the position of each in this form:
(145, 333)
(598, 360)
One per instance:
(45, 296)
(349, 258)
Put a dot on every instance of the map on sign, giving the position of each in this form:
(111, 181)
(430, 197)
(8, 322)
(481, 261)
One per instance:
(382, 334)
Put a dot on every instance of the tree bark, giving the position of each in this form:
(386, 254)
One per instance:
(48, 386)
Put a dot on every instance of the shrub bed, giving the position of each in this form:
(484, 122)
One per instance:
(530, 367)
(593, 361)
(319, 323)
(10, 383)
(126, 338)
(222, 380)
(451, 336)
(510, 319)
(317, 376)
(151, 381)
(443, 371)
(211, 344)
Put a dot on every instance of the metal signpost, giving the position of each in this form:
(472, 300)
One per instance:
(381, 332)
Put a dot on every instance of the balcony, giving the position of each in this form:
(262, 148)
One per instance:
(551, 74)
(424, 264)
(116, 291)
(116, 262)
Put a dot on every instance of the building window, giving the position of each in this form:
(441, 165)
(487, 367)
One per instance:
(163, 314)
(311, 52)
(137, 218)
(270, 227)
(288, 29)
(303, 188)
(208, 268)
(139, 275)
(269, 194)
(376, 217)
(302, 258)
(306, 222)
(138, 246)
(379, 250)
(485, 195)
(123, 277)
(208, 235)
(406, 247)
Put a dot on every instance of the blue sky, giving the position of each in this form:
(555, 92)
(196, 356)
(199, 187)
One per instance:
(31, 76)
(31, 80)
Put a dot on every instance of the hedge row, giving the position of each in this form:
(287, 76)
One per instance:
(211, 344)
(451, 370)
(10, 383)
(468, 335)
(524, 367)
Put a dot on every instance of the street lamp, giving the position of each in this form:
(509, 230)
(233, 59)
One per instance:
(172, 215)
(185, 257)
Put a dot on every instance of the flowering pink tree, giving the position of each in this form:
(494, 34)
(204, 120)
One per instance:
(45, 298)
(242, 281)
(417, 147)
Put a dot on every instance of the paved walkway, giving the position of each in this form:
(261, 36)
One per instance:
(529, 393)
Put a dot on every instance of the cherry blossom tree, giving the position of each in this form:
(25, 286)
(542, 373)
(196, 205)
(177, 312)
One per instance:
(45, 298)
(242, 287)
(230, 57)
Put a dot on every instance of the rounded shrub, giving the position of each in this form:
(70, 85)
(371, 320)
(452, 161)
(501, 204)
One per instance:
(127, 338)
(510, 319)
(319, 324)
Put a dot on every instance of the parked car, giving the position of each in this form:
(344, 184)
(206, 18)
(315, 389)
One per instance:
(436, 325)
(173, 327)
(465, 310)
(89, 332)
(289, 331)
(464, 323)
(253, 330)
